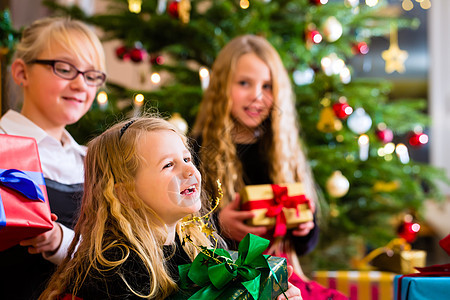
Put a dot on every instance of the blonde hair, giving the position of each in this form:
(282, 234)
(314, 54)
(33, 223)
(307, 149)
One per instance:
(112, 215)
(74, 36)
(214, 124)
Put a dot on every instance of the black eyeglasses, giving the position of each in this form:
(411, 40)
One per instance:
(68, 71)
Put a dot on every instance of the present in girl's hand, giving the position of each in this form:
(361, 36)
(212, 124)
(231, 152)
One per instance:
(24, 207)
(281, 206)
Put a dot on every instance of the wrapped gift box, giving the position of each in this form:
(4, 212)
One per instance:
(359, 285)
(283, 206)
(421, 288)
(402, 261)
(24, 207)
(248, 262)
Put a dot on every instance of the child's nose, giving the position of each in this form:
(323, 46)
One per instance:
(189, 171)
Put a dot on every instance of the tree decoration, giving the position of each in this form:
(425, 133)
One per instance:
(394, 57)
(179, 122)
(360, 48)
(359, 121)
(137, 54)
(312, 35)
(328, 121)
(318, 2)
(156, 59)
(135, 6)
(383, 133)
(408, 229)
(122, 53)
(302, 77)
(332, 29)
(342, 110)
(418, 139)
(180, 10)
(337, 185)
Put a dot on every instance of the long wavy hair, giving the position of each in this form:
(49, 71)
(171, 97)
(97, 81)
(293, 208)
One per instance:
(214, 124)
(112, 215)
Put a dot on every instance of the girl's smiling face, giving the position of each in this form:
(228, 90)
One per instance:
(167, 180)
(251, 91)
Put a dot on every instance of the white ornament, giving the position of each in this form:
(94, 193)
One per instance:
(303, 77)
(359, 121)
(332, 29)
(337, 185)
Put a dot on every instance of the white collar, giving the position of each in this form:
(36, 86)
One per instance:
(14, 123)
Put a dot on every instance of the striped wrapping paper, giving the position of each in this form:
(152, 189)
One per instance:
(359, 285)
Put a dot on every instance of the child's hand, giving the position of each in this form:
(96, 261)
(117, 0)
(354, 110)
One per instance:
(231, 222)
(293, 292)
(303, 229)
(48, 241)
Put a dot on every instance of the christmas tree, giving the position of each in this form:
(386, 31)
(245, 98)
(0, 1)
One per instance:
(349, 125)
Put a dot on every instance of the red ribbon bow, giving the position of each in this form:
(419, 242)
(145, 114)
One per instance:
(275, 206)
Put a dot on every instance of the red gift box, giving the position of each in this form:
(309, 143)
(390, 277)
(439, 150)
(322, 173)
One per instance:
(24, 207)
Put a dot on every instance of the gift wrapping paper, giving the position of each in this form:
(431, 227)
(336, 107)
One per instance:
(260, 199)
(24, 207)
(245, 272)
(359, 285)
(422, 288)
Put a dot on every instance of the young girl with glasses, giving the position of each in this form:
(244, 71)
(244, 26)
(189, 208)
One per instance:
(139, 183)
(59, 66)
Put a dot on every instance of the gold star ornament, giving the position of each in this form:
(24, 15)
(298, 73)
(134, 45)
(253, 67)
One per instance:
(394, 57)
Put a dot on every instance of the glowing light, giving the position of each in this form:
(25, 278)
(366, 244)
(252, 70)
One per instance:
(426, 4)
(415, 227)
(155, 78)
(363, 143)
(371, 3)
(244, 4)
(345, 75)
(323, 1)
(135, 6)
(402, 153)
(203, 72)
(139, 99)
(102, 98)
(407, 5)
(389, 148)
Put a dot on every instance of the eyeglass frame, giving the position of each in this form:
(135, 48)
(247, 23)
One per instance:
(52, 63)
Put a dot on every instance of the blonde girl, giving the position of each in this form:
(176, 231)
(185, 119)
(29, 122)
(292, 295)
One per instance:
(247, 134)
(59, 65)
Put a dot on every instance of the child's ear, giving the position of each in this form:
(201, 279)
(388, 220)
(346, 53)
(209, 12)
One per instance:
(19, 72)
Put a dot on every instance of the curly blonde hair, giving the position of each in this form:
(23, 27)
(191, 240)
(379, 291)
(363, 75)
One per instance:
(112, 215)
(214, 124)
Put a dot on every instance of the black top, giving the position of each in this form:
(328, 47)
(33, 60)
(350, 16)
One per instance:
(110, 285)
(23, 275)
(255, 168)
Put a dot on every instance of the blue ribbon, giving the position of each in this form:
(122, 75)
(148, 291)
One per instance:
(22, 183)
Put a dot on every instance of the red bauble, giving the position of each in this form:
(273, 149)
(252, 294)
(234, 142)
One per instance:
(342, 110)
(138, 54)
(408, 231)
(360, 48)
(122, 53)
(157, 59)
(385, 135)
(316, 2)
(418, 139)
(314, 36)
(172, 9)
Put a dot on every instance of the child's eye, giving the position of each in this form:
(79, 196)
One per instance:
(187, 159)
(243, 82)
(168, 165)
(267, 87)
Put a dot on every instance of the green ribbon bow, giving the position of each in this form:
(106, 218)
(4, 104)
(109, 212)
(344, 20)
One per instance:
(213, 272)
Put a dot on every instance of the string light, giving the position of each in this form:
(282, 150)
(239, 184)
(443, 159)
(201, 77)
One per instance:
(102, 99)
(135, 6)
(371, 3)
(203, 72)
(244, 4)
(155, 78)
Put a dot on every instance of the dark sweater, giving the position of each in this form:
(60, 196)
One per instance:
(110, 285)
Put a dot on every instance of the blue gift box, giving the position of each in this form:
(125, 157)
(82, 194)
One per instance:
(421, 288)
